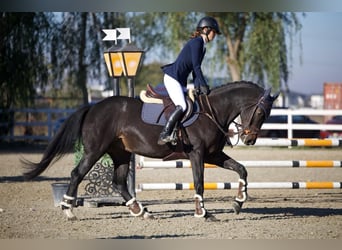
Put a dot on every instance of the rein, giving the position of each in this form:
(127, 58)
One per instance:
(213, 118)
(239, 127)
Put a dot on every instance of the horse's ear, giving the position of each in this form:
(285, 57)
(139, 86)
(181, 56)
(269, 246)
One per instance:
(275, 96)
(267, 92)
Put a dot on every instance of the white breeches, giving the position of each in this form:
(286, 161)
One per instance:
(175, 90)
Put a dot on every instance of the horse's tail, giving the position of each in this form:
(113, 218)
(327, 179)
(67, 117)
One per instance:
(62, 143)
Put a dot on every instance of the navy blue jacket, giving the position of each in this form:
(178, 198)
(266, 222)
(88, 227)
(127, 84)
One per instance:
(188, 61)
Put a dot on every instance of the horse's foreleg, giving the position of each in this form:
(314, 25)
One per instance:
(200, 211)
(242, 189)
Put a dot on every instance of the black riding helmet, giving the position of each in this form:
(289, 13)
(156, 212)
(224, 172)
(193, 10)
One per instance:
(209, 22)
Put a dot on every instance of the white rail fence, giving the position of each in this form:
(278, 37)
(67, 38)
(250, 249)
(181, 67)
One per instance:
(290, 126)
(47, 122)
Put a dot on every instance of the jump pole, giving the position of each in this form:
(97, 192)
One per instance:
(282, 142)
(249, 164)
(235, 185)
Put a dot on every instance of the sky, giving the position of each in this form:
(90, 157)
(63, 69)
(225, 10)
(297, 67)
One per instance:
(321, 37)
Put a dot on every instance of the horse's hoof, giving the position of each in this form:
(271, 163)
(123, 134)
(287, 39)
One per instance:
(211, 218)
(237, 207)
(70, 215)
(148, 216)
(200, 213)
(74, 218)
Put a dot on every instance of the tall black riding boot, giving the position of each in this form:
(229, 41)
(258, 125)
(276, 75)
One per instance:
(165, 135)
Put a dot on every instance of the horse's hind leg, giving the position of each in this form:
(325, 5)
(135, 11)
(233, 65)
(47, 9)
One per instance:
(121, 168)
(77, 176)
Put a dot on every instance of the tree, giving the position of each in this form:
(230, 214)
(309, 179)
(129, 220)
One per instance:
(48, 51)
(161, 35)
(256, 44)
(78, 49)
(149, 74)
(23, 64)
(252, 45)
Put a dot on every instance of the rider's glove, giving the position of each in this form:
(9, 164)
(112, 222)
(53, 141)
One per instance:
(205, 89)
(202, 90)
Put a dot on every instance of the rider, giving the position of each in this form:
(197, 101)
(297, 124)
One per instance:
(176, 74)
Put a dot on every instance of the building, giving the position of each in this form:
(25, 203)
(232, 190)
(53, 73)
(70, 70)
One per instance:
(332, 95)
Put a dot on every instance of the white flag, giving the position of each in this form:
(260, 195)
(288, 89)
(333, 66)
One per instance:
(110, 35)
(123, 33)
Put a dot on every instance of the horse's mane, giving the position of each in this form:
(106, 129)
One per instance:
(237, 84)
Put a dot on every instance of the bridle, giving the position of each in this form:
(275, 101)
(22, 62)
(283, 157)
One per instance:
(260, 104)
(241, 130)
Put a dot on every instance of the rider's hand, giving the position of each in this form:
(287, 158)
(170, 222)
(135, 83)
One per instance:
(205, 89)
(202, 90)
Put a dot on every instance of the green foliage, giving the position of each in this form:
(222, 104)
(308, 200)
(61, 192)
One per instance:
(252, 44)
(23, 62)
(78, 50)
(149, 74)
(79, 150)
(60, 54)
(105, 160)
(266, 55)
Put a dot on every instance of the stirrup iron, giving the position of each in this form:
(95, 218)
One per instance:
(173, 135)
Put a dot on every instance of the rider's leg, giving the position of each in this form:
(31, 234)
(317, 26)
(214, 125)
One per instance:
(176, 93)
(165, 135)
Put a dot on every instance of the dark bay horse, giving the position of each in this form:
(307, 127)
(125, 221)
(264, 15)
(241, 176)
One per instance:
(114, 126)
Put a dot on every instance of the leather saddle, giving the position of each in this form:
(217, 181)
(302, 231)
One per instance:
(160, 96)
(156, 109)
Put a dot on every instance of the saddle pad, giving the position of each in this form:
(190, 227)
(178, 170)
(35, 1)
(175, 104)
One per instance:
(151, 112)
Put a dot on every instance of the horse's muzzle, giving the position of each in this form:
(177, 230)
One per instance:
(248, 137)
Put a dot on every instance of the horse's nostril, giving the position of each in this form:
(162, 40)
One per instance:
(249, 140)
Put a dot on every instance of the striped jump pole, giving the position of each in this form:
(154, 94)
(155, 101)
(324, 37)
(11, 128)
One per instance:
(250, 164)
(170, 164)
(297, 142)
(235, 185)
(293, 164)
